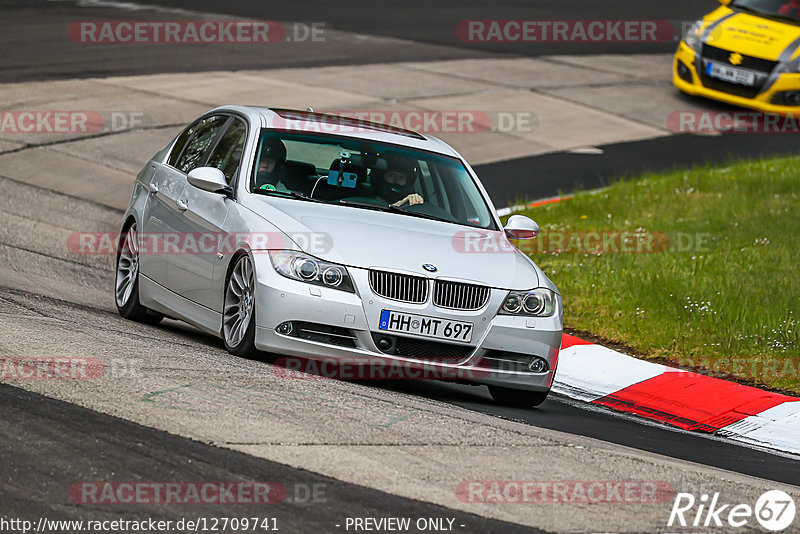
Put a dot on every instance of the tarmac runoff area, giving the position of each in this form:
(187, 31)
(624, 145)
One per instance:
(171, 378)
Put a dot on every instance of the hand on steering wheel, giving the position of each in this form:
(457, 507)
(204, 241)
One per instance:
(412, 200)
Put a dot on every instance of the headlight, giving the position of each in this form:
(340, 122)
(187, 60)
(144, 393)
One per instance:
(692, 37)
(537, 303)
(305, 268)
(789, 67)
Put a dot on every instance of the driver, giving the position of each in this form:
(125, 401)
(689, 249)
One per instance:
(395, 184)
(791, 9)
(271, 164)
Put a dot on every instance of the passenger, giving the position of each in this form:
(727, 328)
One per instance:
(395, 185)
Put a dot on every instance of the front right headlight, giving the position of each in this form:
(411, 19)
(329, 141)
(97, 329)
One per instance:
(305, 268)
(539, 302)
(693, 35)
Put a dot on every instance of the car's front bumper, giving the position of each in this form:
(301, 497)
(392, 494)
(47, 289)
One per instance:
(763, 101)
(279, 299)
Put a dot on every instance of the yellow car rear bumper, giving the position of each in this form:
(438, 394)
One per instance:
(763, 102)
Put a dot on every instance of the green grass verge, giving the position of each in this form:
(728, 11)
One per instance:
(720, 292)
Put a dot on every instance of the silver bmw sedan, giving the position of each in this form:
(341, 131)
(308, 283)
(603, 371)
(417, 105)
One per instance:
(319, 237)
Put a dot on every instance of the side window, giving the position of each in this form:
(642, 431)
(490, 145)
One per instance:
(204, 134)
(228, 152)
(180, 143)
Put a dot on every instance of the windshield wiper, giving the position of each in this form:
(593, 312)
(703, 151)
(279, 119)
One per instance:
(367, 205)
(287, 194)
(391, 208)
(397, 209)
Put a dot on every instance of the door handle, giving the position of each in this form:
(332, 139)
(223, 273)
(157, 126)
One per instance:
(153, 187)
(183, 205)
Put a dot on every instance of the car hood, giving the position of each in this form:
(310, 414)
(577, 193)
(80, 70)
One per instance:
(372, 239)
(752, 35)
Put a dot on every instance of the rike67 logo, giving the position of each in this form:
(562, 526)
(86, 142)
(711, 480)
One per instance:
(774, 511)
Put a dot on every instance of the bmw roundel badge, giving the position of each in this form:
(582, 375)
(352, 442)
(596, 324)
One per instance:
(430, 268)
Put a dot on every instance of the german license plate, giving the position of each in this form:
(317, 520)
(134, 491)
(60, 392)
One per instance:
(420, 325)
(730, 74)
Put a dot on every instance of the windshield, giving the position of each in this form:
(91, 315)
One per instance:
(368, 175)
(783, 9)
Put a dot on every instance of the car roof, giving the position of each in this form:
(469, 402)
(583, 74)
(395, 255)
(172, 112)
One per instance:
(313, 122)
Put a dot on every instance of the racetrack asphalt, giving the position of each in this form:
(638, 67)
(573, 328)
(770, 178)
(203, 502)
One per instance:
(48, 446)
(512, 181)
(400, 30)
(416, 440)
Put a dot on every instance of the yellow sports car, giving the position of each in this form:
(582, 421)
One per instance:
(745, 53)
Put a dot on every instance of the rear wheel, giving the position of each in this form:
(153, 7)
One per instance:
(126, 286)
(517, 397)
(238, 324)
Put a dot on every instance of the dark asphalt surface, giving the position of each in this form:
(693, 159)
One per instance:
(435, 22)
(49, 445)
(36, 45)
(565, 415)
(512, 181)
(558, 413)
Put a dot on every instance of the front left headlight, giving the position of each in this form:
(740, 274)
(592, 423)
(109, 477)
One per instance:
(305, 268)
(539, 302)
(693, 35)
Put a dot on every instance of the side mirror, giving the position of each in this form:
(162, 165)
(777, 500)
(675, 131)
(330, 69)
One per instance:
(209, 179)
(521, 227)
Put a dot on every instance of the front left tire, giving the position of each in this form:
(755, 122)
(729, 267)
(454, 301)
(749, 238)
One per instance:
(238, 313)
